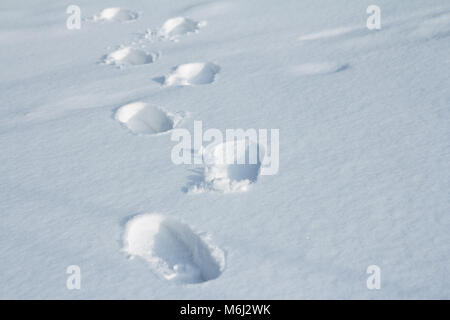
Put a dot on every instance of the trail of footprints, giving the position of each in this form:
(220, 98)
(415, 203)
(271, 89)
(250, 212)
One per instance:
(172, 249)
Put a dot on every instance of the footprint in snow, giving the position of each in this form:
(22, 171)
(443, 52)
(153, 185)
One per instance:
(130, 56)
(173, 28)
(196, 73)
(116, 15)
(172, 249)
(228, 167)
(143, 118)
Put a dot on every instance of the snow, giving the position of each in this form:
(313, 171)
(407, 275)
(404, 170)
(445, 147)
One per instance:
(228, 167)
(116, 14)
(140, 117)
(172, 249)
(364, 173)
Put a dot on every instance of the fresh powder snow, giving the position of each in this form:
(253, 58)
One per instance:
(93, 94)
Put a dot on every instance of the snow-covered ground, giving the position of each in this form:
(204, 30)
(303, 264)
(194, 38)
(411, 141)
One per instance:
(86, 174)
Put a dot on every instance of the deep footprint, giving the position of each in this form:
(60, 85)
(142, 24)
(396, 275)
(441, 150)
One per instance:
(130, 56)
(196, 73)
(142, 118)
(172, 249)
(117, 15)
(228, 167)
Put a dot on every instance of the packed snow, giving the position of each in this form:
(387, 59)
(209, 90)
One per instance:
(87, 179)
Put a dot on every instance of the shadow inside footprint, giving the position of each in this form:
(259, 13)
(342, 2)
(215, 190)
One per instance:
(159, 80)
(195, 180)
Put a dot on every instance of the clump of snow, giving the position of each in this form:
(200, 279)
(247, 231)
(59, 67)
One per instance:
(172, 249)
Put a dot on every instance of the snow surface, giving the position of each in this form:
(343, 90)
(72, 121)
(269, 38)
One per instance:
(364, 119)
